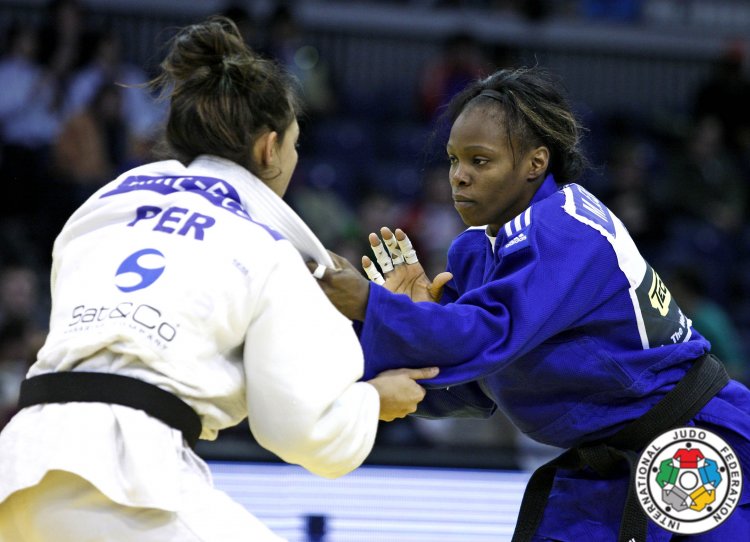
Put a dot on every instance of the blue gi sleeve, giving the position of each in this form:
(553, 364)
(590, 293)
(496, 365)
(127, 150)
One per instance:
(463, 401)
(526, 296)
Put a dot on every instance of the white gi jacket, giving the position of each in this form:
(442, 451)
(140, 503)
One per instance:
(186, 278)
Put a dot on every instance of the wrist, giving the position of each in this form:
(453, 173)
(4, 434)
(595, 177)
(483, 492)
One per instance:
(362, 307)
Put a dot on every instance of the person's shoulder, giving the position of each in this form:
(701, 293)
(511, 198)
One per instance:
(588, 210)
(573, 208)
(548, 207)
(472, 237)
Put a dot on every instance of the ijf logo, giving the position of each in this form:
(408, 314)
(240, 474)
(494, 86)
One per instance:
(688, 480)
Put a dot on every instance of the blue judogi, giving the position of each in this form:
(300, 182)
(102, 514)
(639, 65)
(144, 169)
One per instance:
(561, 323)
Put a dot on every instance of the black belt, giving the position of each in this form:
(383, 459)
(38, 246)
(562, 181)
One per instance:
(705, 379)
(76, 386)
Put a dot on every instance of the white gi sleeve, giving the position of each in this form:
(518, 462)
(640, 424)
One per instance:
(302, 361)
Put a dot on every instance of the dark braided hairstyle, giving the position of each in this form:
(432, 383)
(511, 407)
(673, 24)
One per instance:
(535, 112)
(222, 94)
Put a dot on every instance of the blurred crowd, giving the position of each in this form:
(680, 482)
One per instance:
(74, 113)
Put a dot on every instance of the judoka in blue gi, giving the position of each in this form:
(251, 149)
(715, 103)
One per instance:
(548, 311)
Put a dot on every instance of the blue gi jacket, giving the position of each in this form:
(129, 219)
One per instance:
(562, 324)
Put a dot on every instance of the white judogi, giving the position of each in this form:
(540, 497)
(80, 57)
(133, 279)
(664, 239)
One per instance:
(171, 275)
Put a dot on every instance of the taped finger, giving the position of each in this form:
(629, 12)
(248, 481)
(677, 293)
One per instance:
(382, 257)
(373, 274)
(394, 249)
(409, 254)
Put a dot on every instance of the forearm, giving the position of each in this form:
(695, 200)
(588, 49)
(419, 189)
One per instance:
(302, 366)
(329, 439)
(400, 333)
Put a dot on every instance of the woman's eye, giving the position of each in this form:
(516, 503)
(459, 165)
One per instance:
(452, 160)
(480, 161)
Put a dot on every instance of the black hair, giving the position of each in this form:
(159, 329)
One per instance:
(222, 94)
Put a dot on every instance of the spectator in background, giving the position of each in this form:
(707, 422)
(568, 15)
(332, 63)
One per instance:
(713, 321)
(705, 180)
(629, 192)
(29, 122)
(724, 96)
(93, 142)
(61, 43)
(92, 148)
(93, 145)
(705, 196)
(110, 123)
(287, 44)
(139, 110)
(23, 326)
(17, 350)
(461, 60)
(35, 74)
(20, 297)
(328, 214)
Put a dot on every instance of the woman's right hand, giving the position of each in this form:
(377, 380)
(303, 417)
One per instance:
(345, 287)
(399, 392)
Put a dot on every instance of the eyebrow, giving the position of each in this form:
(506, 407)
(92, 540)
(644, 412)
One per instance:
(477, 148)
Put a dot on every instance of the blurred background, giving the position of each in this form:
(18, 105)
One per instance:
(662, 85)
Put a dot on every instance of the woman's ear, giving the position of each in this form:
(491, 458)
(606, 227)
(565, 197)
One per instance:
(265, 151)
(538, 162)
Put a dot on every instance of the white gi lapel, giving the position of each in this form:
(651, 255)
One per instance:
(264, 206)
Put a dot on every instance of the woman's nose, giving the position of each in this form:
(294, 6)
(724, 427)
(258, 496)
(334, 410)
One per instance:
(458, 176)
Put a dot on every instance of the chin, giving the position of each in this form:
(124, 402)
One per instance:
(471, 222)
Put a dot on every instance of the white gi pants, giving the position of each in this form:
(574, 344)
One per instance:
(64, 507)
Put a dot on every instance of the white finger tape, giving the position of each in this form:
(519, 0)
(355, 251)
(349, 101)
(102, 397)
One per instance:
(410, 255)
(320, 271)
(382, 257)
(395, 251)
(374, 275)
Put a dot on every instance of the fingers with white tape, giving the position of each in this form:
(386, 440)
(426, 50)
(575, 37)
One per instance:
(391, 242)
(381, 255)
(409, 254)
(372, 272)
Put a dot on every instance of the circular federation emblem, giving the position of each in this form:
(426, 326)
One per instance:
(688, 480)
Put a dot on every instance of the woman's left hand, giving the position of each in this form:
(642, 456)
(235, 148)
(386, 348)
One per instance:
(401, 268)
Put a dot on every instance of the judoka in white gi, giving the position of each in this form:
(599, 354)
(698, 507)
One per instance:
(188, 274)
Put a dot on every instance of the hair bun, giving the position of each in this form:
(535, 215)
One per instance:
(221, 94)
(200, 49)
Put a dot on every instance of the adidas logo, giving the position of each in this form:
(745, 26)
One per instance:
(516, 239)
